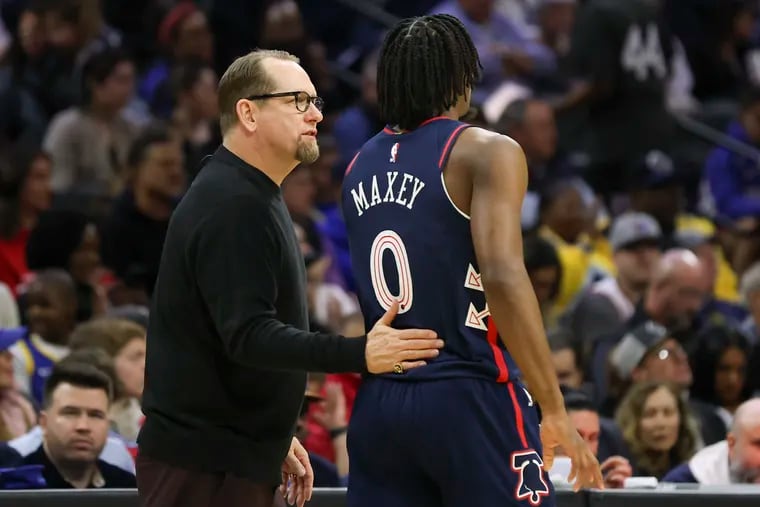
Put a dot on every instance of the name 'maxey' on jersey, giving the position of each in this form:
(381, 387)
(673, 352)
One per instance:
(409, 242)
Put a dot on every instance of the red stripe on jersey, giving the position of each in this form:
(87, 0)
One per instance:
(493, 337)
(518, 415)
(449, 142)
(351, 164)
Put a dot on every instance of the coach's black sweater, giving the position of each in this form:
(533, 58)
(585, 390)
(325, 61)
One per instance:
(228, 345)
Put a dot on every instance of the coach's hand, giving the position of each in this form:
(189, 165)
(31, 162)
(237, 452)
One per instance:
(297, 475)
(558, 430)
(388, 347)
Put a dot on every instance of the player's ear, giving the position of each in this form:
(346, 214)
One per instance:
(246, 112)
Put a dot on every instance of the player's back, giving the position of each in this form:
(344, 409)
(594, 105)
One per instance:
(409, 241)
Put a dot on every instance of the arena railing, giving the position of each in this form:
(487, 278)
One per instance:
(663, 496)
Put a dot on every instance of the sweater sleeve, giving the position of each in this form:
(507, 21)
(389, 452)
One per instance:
(236, 254)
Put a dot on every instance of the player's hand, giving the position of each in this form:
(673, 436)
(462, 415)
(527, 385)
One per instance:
(616, 470)
(387, 347)
(297, 475)
(558, 430)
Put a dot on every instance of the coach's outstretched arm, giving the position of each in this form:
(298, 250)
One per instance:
(240, 241)
(499, 182)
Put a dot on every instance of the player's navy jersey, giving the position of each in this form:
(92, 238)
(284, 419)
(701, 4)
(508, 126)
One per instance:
(408, 241)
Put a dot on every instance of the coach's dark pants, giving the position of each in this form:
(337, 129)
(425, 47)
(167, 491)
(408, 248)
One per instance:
(162, 485)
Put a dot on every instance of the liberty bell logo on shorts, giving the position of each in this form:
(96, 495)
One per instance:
(394, 153)
(531, 485)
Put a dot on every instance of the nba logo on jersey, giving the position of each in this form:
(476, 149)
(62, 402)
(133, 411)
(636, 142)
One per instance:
(394, 153)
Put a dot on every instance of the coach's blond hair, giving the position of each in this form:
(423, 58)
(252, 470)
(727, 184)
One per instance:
(246, 76)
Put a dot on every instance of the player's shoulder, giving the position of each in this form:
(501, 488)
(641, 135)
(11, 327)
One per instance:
(477, 144)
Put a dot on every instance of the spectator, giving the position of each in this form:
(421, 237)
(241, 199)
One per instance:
(134, 232)
(68, 240)
(51, 308)
(545, 272)
(720, 364)
(750, 293)
(602, 436)
(75, 427)
(735, 460)
(504, 50)
(124, 342)
(657, 428)
(24, 194)
(17, 415)
(98, 124)
(566, 358)
(607, 304)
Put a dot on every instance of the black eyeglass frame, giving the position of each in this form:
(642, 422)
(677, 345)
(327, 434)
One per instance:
(318, 102)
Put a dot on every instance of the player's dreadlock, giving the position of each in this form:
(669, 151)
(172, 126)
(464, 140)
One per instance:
(425, 64)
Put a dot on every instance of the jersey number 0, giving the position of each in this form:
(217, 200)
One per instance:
(390, 241)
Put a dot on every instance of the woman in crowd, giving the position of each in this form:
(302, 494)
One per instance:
(657, 428)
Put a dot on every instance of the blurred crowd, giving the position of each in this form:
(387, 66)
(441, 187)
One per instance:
(640, 122)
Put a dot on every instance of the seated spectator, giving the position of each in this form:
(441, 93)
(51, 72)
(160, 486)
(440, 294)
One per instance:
(17, 415)
(545, 272)
(50, 308)
(650, 353)
(134, 232)
(566, 358)
(720, 363)
(606, 305)
(733, 461)
(24, 194)
(657, 428)
(124, 342)
(750, 294)
(91, 176)
(68, 240)
(602, 437)
(74, 424)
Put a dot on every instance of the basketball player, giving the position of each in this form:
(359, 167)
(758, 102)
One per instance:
(432, 208)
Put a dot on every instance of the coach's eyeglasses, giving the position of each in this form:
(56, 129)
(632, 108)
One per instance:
(301, 99)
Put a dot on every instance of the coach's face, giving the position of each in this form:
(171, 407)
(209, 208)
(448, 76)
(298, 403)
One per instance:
(290, 123)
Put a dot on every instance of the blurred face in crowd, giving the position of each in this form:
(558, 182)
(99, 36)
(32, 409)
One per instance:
(161, 172)
(567, 216)
(85, 260)
(194, 39)
(50, 312)
(130, 367)
(730, 376)
(753, 303)
(298, 191)
(744, 446)
(557, 19)
(204, 100)
(37, 193)
(291, 132)
(538, 133)
(679, 294)
(6, 369)
(636, 262)
(568, 373)
(660, 420)
(544, 280)
(587, 424)
(75, 425)
(666, 363)
(115, 92)
(708, 257)
(60, 32)
(31, 34)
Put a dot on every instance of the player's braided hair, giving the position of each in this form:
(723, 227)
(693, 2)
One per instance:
(425, 64)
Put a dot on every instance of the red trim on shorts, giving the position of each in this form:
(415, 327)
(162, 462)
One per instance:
(518, 415)
(351, 164)
(493, 336)
(449, 144)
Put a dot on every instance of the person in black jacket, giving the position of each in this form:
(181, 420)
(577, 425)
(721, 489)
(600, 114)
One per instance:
(228, 344)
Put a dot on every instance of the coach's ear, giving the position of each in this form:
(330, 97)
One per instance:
(246, 112)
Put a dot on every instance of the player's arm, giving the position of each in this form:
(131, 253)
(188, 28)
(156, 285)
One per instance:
(499, 182)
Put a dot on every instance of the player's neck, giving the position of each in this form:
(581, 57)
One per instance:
(451, 114)
(259, 157)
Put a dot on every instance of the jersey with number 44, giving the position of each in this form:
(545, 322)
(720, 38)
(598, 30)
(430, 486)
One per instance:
(409, 242)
